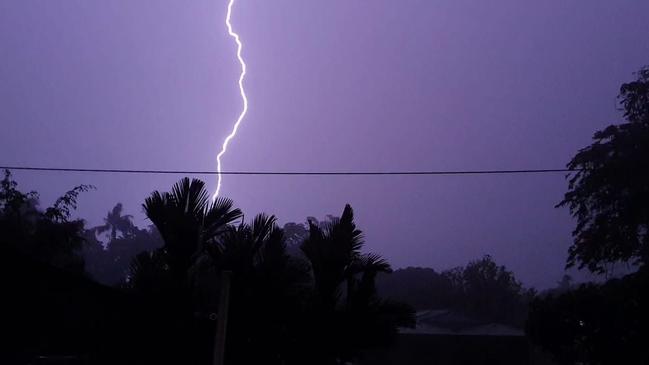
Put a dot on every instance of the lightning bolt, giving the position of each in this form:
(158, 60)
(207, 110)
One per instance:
(242, 91)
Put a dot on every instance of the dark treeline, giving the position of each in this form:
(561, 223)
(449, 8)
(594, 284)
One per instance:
(308, 293)
(481, 290)
(317, 307)
(609, 199)
(303, 293)
(109, 261)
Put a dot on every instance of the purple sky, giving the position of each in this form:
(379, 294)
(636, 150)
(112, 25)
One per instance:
(333, 85)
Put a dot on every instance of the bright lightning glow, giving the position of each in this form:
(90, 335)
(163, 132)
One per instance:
(224, 148)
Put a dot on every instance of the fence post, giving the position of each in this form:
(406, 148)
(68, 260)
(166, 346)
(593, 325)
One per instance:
(222, 319)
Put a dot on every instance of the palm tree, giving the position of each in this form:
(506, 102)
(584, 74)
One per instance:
(362, 280)
(351, 315)
(263, 301)
(187, 220)
(334, 252)
(244, 247)
(116, 222)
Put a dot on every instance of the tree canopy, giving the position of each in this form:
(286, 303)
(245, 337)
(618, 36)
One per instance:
(51, 235)
(609, 197)
(609, 192)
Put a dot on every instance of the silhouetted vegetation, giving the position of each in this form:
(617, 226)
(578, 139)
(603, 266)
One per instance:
(49, 235)
(308, 293)
(319, 306)
(109, 262)
(609, 196)
(594, 323)
(482, 290)
(605, 323)
(348, 315)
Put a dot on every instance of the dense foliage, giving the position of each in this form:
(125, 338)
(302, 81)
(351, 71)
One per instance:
(609, 194)
(594, 323)
(317, 307)
(308, 293)
(51, 235)
(481, 290)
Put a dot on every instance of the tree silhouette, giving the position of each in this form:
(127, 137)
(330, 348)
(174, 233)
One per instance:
(594, 323)
(109, 263)
(609, 196)
(50, 236)
(174, 275)
(348, 315)
(482, 291)
(265, 300)
(320, 309)
(187, 220)
(115, 222)
(488, 291)
(334, 254)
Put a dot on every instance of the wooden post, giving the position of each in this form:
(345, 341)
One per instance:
(222, 319)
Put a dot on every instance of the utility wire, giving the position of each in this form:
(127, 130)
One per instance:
(293, 173)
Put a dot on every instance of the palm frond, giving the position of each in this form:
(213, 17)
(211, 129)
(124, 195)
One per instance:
(190, 196)
(374, 263)
(263, 226)
(218, 215)
(156, 208)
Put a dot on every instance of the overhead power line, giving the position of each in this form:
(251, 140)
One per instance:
(292, 173)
